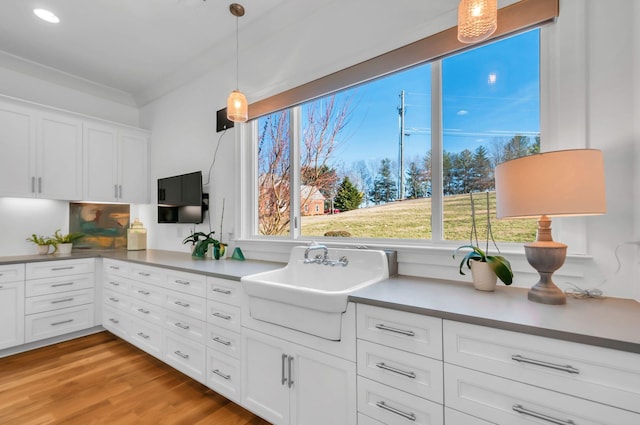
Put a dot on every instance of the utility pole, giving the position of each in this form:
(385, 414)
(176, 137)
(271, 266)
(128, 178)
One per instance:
(401, 111)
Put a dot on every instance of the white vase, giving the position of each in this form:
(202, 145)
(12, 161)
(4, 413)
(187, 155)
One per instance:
(484, 279)
(63, 248)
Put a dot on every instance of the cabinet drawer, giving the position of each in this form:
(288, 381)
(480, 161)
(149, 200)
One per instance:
(453, 417)
(224, 340)
(418, 375)
(12, 273)
(224, 290)
(58, 284)
(120, 268)
(146, 336)
(223, 315)
(366, 420)
(186, 326)
(59, 268)
(59, 322)
(189, 283)
(223, 374)
(117, 283)
(51, 302)
(394, 407)
(147, 274)
(406, 331)
(186, 304)
(116, 300)
(115, 322)
(595, 373)
(146, 311)
(504, 401)
(185, 355)
(148, 293)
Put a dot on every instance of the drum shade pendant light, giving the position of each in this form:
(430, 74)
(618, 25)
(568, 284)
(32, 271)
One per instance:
(237, 107)
(477, 20)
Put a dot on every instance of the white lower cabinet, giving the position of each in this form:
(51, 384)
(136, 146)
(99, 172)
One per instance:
(147, 336)
(224, 374)
(185, 355)
(58, 322)
(289, 384)
(11, 305)
(453, 417)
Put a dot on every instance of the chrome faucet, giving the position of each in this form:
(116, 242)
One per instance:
(318, 259)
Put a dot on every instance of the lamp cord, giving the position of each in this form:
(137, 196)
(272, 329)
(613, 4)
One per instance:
(237, 57)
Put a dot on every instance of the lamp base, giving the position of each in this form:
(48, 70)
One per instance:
(546, 257)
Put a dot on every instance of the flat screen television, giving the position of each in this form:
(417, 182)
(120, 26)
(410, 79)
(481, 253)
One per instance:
(180, 199)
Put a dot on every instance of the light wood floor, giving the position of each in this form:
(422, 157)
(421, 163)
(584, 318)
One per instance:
(100, 379)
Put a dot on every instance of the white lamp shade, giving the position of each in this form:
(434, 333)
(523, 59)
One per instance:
(569, 182)
(237, 107)
(477, 20)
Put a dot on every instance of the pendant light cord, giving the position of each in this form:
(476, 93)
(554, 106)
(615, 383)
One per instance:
(237, 58)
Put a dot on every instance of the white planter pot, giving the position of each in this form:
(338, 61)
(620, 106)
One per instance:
(44, 249)
(484, 279)
(64, 248)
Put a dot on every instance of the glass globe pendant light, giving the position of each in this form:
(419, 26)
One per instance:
(237, 106)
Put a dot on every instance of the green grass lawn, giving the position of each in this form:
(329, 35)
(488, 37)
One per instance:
(411, 219)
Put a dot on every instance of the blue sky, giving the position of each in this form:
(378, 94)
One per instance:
(488, 93)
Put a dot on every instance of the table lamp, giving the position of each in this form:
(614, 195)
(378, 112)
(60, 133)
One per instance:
(559, 183)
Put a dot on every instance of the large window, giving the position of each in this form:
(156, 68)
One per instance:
(359, 163)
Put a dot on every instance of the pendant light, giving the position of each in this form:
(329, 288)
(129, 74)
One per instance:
(477, 20)
(237, 107)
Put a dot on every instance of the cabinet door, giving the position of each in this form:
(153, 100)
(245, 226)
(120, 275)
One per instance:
(133, 176)
(264, 379)
(11, 314)
(100, 166)
(323, 389)
(17, 143)
(59, 157)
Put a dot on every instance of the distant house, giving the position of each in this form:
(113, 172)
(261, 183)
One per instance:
(311, 200)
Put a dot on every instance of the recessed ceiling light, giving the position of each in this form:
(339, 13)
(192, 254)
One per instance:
(47, 16)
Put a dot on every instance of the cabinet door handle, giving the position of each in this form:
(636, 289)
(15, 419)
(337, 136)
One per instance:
(217, 372)
(383, 405)
(181, 304)
(120, 191)
(183, 282)
(55, 285)
(222, 316)
(143, 335)
(61, 323)
(290, 367)
(284, 377)
(384, 366)
(222, 341)
(563, 368)
(181, 326)
(66, 300)
(184, 356)
(222, 291)
(39, 184)
(518, 408)
(396, 330)
(33, 184)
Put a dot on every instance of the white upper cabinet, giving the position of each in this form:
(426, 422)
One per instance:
(18, 144)
(115, 164)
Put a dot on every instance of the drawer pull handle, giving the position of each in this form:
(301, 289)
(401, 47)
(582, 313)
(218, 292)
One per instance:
(396, 330)
(114, 267)
(144, 274)
(222, 341)
(61, 323)
(142, 310)
(183, 282)
(55, 269)
(217, 372)
(184, 356)
(181, 304)
(383, 405)
(384, 366)
(222, 316)
(114, 283)
(140, 291)
(143, 335)
(112, 320)
(55, 285)
(518, 408)
(115, 300)
(66, 300)
(564, 368)
(222, 291)
(181, 326)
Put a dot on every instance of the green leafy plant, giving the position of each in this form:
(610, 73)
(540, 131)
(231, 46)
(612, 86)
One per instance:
(201, 241)
(500, 265)
(59, 238)
(41, 240)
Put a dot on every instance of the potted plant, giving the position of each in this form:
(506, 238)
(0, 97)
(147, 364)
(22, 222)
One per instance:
(485, 268)
(43, 243)
(64, 242)
(200, 242)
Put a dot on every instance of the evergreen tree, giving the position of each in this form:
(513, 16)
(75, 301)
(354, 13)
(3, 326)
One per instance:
(482, 179)
(448, 173)
(416, 182)
(384, 186)
(348, 197)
